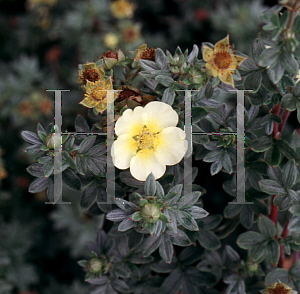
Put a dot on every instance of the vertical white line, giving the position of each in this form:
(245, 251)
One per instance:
(188, 172)
(110, 173)
(240, 175)
(57, 150)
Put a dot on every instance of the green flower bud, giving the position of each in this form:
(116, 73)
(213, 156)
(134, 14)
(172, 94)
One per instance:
(291, 44)
(252, 266)
(94, 265)
(197, 76)
(50, 143)
(150, 213)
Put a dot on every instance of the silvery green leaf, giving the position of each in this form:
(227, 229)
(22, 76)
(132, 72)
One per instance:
(208, 240)
(271, 187)
(120, 286)
(186, 220)
(48, 168)
(248, 239)
(125, 205)
(197, 212)
(172, 283)
(161, 59)
(71, 179)
(215, 167)
(151, 244)
(164, 80)
(126, 224)
(188, 200)
(266, 227)
(31, 138)
(169, 96)
(81, 125)
(289, 174)
(166, 249)
(173, 222)
(36, 169)
(282, 201)
(148, 65)
(150, 186)
(117, 215)
(89, 196)
(193, 54)
(173, 195)
(159, 190)
(180, 239)
(38, 185)
(273, 252)
(278, 273)
(86, 144)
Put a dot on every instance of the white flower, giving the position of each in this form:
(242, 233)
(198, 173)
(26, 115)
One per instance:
(148, 140)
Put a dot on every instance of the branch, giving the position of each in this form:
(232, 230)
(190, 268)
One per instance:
(284, 118)
(276, 110)
(274, 211)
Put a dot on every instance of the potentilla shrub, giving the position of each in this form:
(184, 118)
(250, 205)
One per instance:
(157, 238)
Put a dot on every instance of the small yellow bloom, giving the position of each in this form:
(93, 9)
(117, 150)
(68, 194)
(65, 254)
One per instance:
(96, 94)
(278, 288)
(144, 52)
(122, 9)
(148, 140)
(221, 61)
(111, 40)
(90, 72)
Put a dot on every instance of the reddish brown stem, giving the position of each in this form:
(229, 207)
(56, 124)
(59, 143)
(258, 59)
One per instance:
(291, 19)
(274, 211)
(281, 257)
(283, 235)
(285, 229)
(284, 118)
(276, 110)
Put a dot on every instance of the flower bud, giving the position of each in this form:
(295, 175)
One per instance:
(94, 265)
(291, 44)
(50, 141)
(150, 213)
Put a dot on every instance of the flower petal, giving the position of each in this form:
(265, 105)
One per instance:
(226, 78)
(88, 102)
(144, 163)
(172, 146)
(101, 106)
(211, 69)
(122, 151)
(130, 122)
(159, 115)
(91, 65)
(237, 60)
(222, 44)
(207, 53)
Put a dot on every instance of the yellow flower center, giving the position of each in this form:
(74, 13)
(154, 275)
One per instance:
(98, 94)
(146, 139)
(222, 59)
